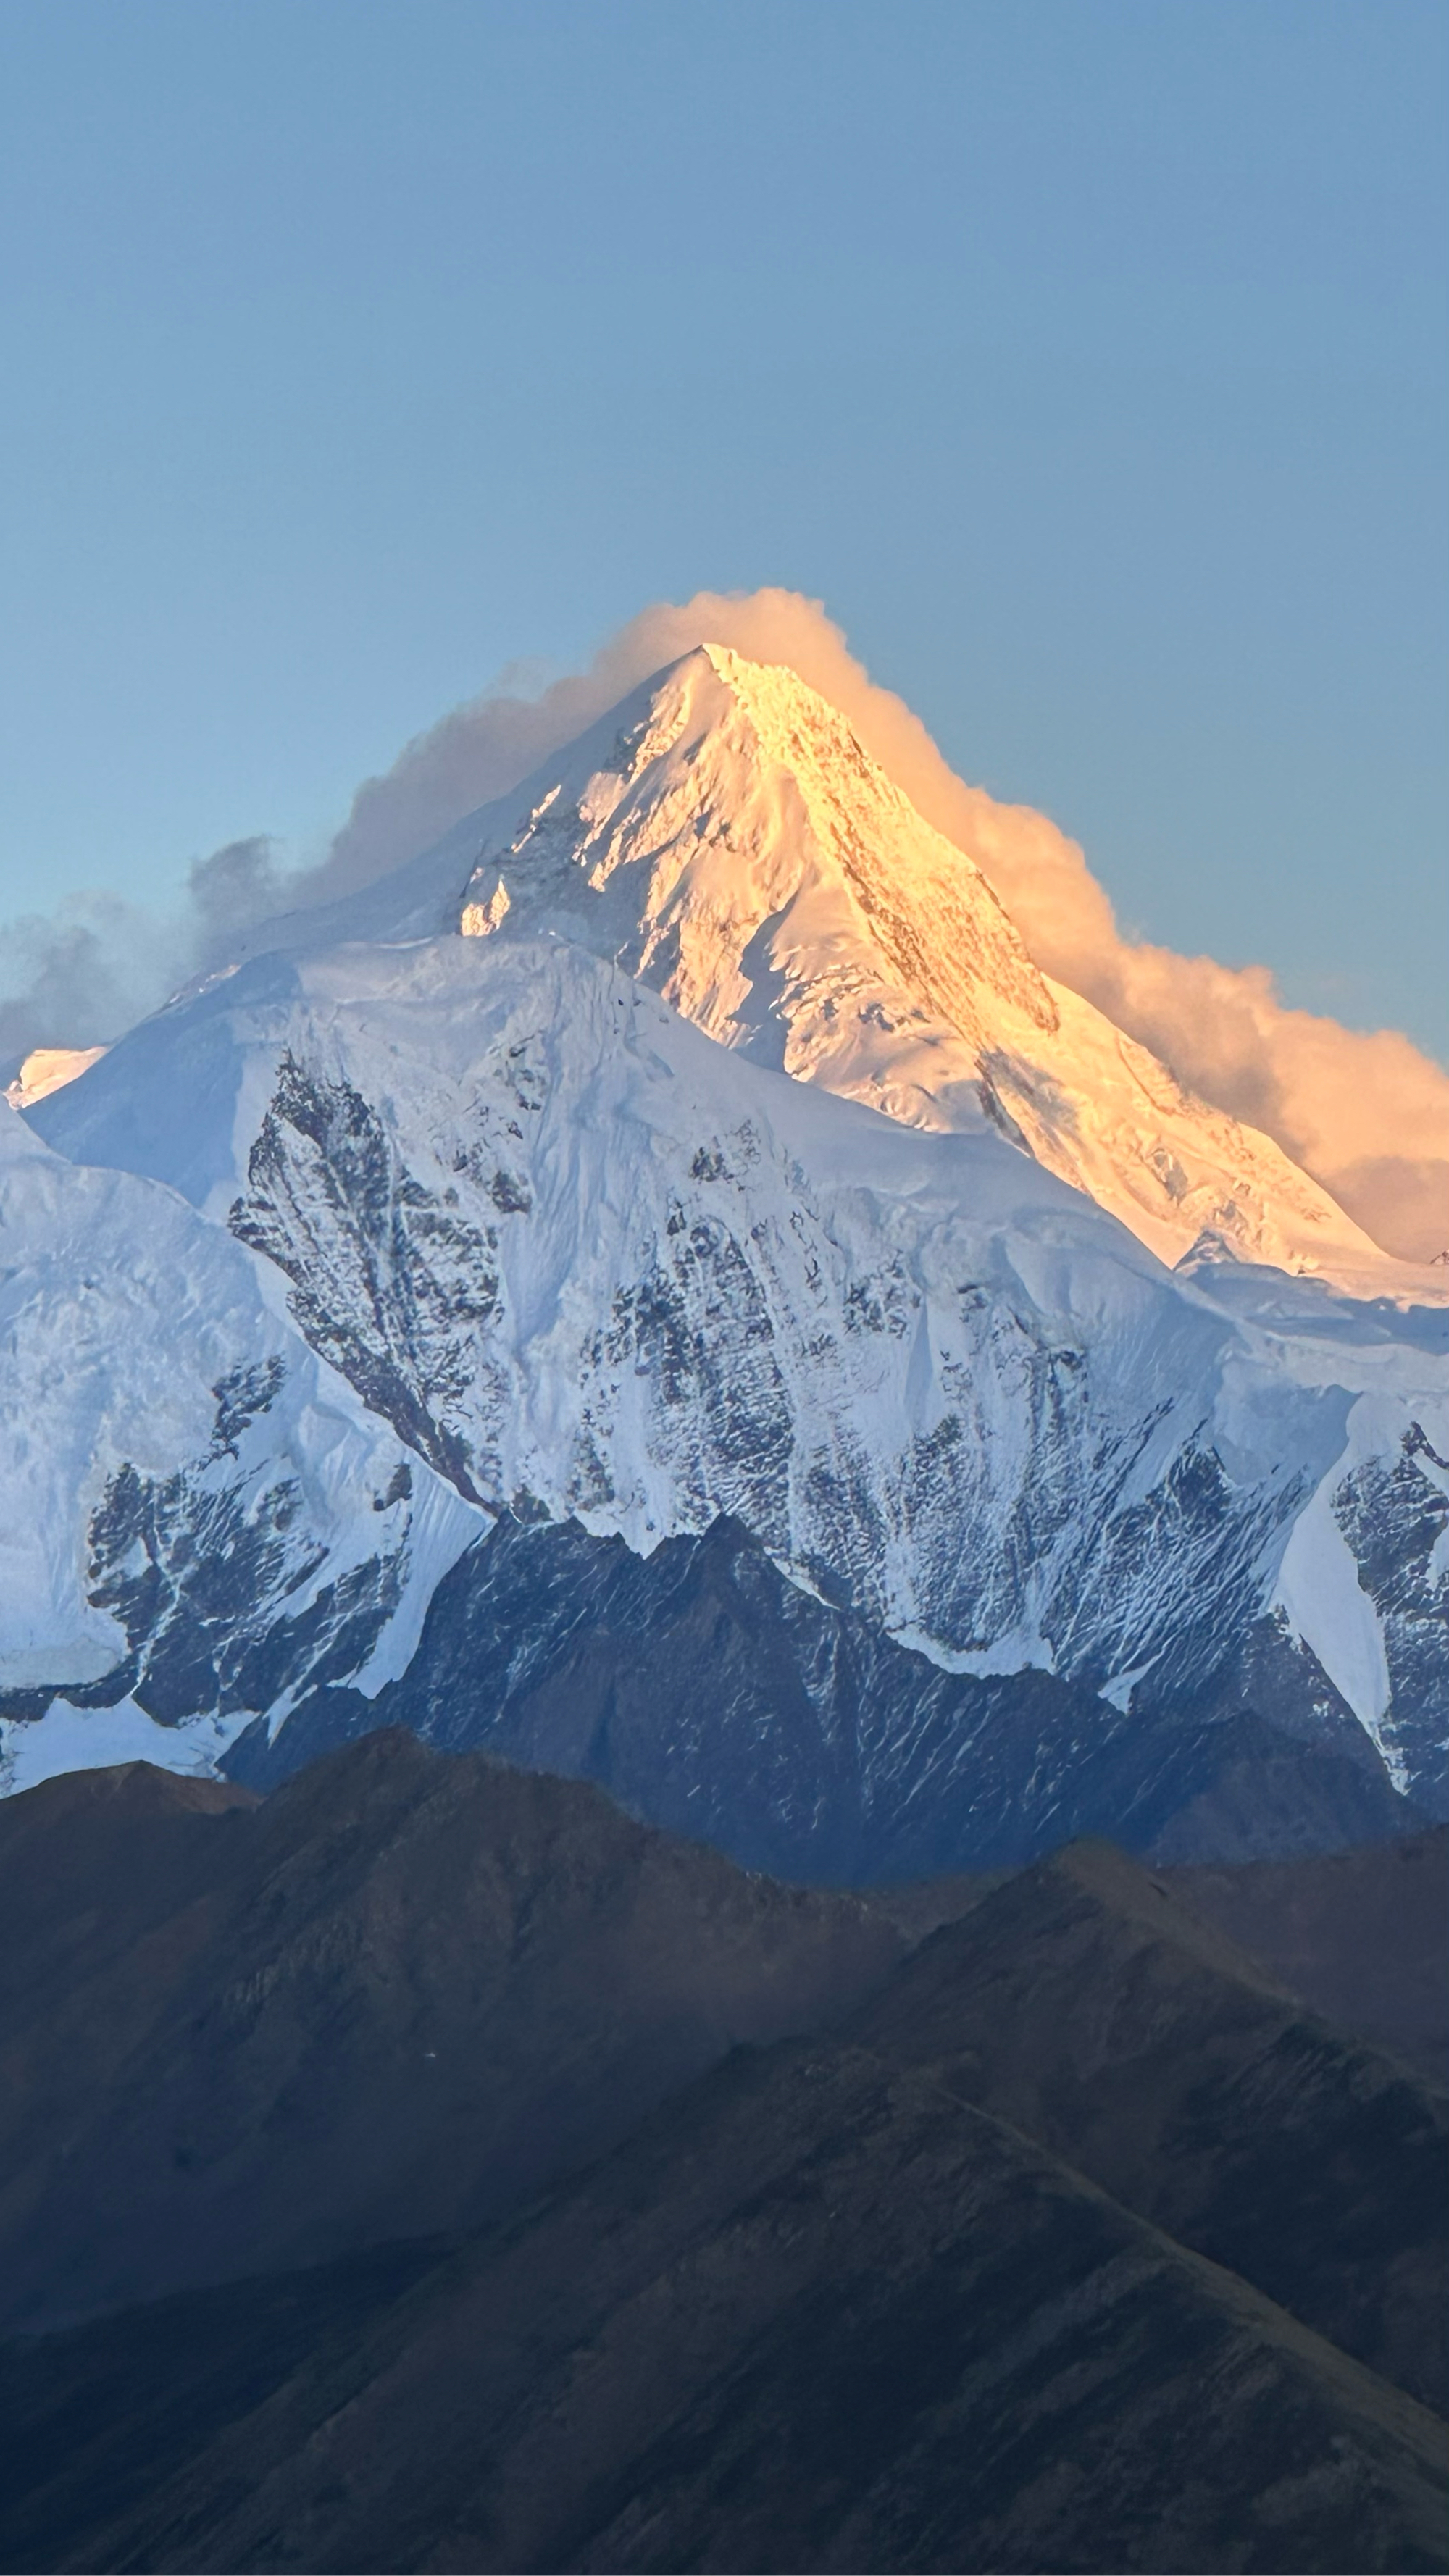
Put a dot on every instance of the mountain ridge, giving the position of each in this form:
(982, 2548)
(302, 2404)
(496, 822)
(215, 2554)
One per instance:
(713, 1696)
(891, 2284)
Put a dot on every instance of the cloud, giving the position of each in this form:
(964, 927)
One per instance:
(236, 887)
(1365, 1112)
(84, 973)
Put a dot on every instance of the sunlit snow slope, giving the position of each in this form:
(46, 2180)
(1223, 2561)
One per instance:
(725, 838)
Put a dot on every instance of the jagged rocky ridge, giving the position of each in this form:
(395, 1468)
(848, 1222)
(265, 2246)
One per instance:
(712, 1696)
(587, 1262)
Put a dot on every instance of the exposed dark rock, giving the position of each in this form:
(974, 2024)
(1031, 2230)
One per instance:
(713, 1697)
(1394, 1517)
(201, 1570)
(389, 1284)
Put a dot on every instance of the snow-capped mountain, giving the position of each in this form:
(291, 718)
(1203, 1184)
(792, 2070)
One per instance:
(539, 1147)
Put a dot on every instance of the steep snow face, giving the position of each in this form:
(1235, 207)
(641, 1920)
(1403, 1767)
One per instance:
(196, 1517)
(724, 838)
(585, 1262)
(1364, 1582)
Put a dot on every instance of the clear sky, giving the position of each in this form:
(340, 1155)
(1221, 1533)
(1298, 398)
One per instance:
(1087, 357)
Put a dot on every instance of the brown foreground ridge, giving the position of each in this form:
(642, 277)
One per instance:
(444, 2171)
(1361, 1935)
(392, 1998)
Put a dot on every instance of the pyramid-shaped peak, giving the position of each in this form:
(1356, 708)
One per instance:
(764, 708)
(775, 696)
(723, 836)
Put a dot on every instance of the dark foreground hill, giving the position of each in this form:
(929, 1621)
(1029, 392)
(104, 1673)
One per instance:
(1361, 1935)
(819, 2314)
(1069, 2238)
(1084, 2005)
(392, 1998)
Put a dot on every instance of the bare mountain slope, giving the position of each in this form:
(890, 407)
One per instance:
(395, 1997)
(820, 2306)
(822, 2315)
(1083, 2004)
(1362, 1935)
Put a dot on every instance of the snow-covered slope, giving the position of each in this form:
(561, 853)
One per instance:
(722, 836)
(1364, 1580)
(586, 1262)
(197, 1517)
(514, 1137)
(48, 1069)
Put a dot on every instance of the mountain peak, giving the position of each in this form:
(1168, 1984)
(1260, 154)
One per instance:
(723, 837)
(740, 852)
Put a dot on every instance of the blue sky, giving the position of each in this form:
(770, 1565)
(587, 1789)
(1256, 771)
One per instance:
(1087, 358)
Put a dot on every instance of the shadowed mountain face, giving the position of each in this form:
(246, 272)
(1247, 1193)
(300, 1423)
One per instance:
(820, 2314)
(711, 1696)
(1067, 2240)
(395, 1997)
(93, 1861)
